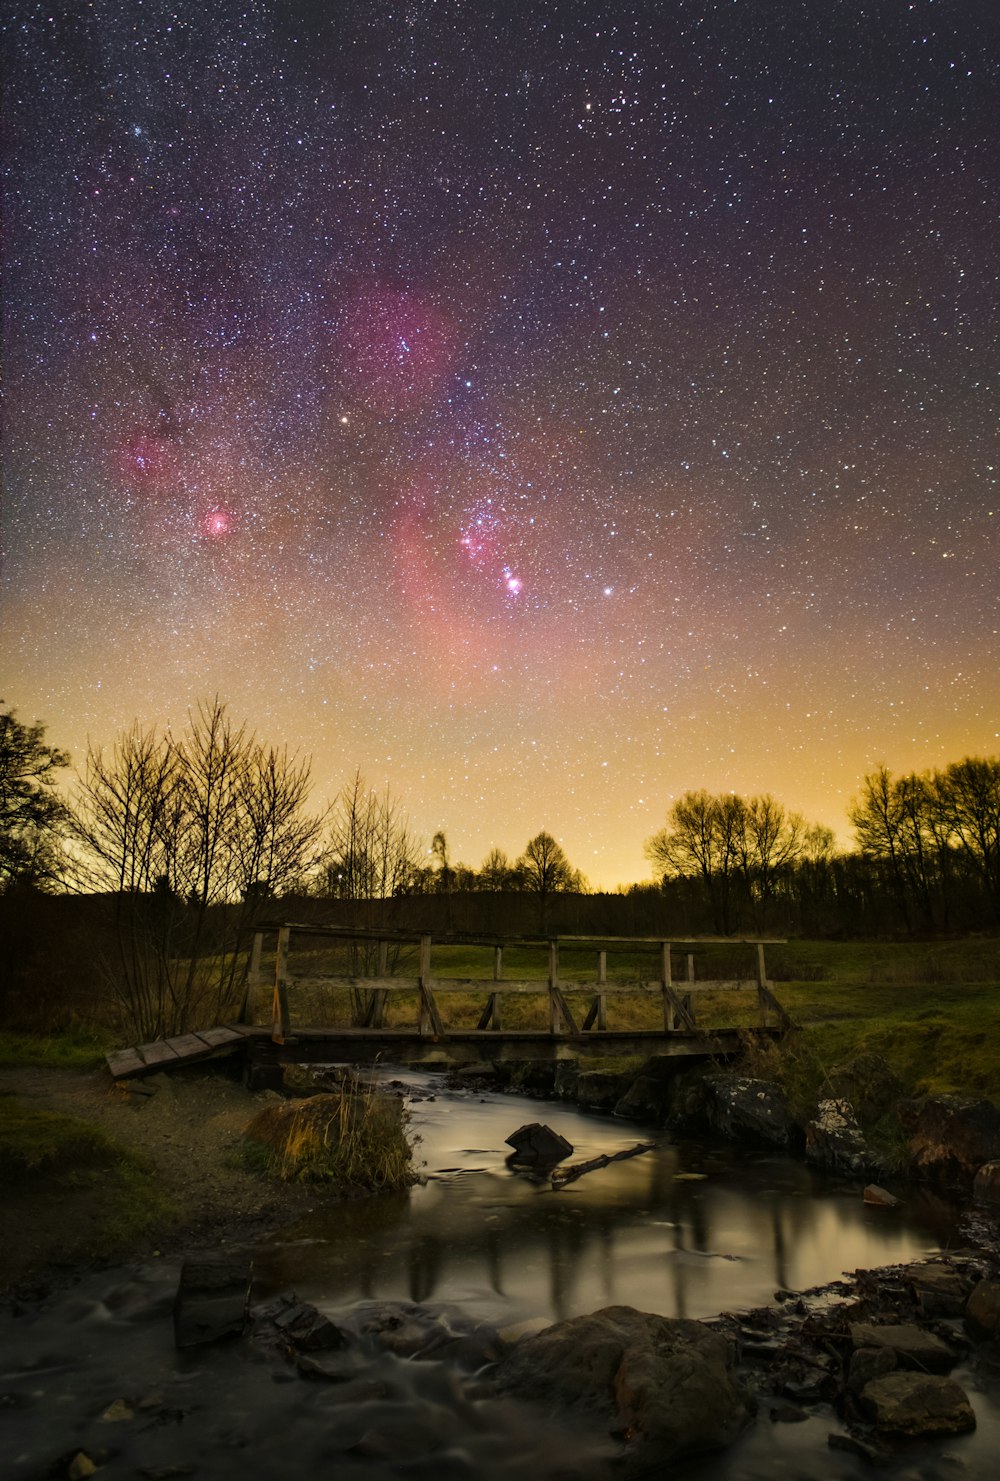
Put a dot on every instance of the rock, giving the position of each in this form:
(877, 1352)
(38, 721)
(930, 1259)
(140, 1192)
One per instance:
(951, 1139)
(834, 1140)
(601, 1090)
(663, 1383)
(80, 1465)
(982, 1310)
(535, 1077)
(212, 1299)
(307, 1329)
(986, 1185)
(854, 1445)
(912, 1346)
(567, 1075)
(538, 1145)
(879, 1196)
(868, 1363)
(645, 1100)
(739, 1106)
(940, 1290)
(117, 1411)
(918, 1404)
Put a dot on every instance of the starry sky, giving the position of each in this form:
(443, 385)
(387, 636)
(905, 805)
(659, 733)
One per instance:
(547, 408)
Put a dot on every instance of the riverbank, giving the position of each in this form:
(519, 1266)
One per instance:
(182, 1181)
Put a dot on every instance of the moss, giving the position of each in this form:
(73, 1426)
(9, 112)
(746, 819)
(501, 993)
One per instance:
(79, 1049)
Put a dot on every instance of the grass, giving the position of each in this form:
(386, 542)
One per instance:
(43, 1150)
(352, 1138)
(76, 1049)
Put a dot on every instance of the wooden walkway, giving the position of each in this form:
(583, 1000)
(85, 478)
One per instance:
(431, 1039)
(167, 1054)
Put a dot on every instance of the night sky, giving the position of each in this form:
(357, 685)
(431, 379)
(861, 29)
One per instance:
(545, 408)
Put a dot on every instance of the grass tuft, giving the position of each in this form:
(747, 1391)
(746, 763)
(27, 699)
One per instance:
(352, 1138)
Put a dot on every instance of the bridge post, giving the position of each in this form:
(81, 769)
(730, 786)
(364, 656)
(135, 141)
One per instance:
(666, 987)
(553, 985)
(253, 976)
(495, 997)
(602, 997)
(279, 1029)
(430, 1018)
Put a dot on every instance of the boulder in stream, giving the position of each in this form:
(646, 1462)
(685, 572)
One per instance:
(538, 1145)
(212, 1299)
(918, 1404)
(950, 1139)
(834, 1140)
(664, 1384)
(744, 1107)
(986, 1187)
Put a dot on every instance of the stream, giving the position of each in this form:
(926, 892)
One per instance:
(688, 1229)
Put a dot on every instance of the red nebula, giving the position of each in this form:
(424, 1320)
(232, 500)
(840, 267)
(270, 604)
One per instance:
(217, 523)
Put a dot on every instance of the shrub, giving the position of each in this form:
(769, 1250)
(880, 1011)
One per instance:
(352, 1138)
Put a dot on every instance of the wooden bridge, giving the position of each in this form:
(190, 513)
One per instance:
(385, 1011)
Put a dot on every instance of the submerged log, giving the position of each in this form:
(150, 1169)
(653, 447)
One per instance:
(563, 1175)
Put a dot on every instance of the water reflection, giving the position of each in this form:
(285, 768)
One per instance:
(685, 1230)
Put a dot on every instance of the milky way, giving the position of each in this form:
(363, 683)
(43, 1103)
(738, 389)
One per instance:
(545, 408)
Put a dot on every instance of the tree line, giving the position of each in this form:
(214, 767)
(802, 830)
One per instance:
(187, 837)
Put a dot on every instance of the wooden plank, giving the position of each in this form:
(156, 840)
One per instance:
(125, 1062)
(160, 1053)
(215, 1038)
(189, 1046)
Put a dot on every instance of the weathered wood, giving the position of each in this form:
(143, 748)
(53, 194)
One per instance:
(215, 1038)
(676, 1011)
(190, 1046)
(768, 1000)
(666, 976)
(562, 1011)
(563, 1175)
(159, 1053)
(690, 966)
(280, 1010)
(596, 1013)
(253, 974)
(125, 1062)
(490, 1016)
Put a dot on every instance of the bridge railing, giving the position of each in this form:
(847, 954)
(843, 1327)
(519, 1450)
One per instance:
(375, 996)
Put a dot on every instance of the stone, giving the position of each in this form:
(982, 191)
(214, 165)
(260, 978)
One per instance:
(212, 1300)
(538, 1145)
(868, 1363)
(663, 1383)
(742, 1107)
(982, 1311)
(986, 1185)
(81, 1465)
(913, 1347)
(567, 1075)
(880, 1196)
(940, 1290)
(918, 1404)
(308, 1330)
(835, 1141)
(950, 1139)
(116, 1411)
(645, 1100)
(601, 1090)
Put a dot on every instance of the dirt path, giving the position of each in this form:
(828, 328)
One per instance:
(189, 1131)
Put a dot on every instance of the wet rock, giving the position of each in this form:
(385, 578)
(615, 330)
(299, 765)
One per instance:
(117, 1411)
(664, 1383)
(645, 1100)
(601, 1090)
(834, 1140)
(567, 1076)
(986, 1185)
(538, 1145)
(535, 1077)
(307, 1329)
(739, 1106)
(912, 1346)
(868, 1363)
(950, 1139)
(212, 1299)
(854, 1445)
(81, 1465)
(939, 1290)
(784, 1413)
(918, 1404)
(983, 1308)
(880, 1196)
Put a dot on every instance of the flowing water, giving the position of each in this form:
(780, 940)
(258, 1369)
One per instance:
(687, 1229)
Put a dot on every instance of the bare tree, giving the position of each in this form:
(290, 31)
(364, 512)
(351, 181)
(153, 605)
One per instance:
(701, 840)
(967, 798)
(189, 834)
(496, 871)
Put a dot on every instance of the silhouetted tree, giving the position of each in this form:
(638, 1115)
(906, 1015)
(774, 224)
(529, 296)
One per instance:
(544, 869)
(191, 834)
(33, 817)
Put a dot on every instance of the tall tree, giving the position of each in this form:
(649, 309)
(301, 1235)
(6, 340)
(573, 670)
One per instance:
(701, 840)
(32, 815)
(545, 869)
(968, 799)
